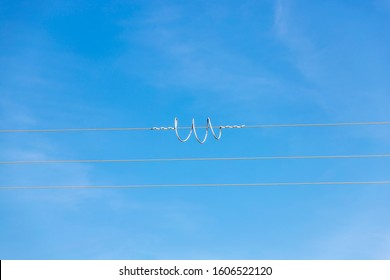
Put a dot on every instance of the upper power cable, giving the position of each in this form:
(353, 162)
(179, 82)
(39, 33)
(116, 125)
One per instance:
(192, 128)
(272, 184)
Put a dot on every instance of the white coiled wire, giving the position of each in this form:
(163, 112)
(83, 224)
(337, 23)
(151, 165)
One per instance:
(208, 126)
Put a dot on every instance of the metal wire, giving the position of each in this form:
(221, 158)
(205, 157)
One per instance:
(193, 130)
(220, 129)
(176, 122)
(189, 127)
(75, 129)
(196, 134)
(278, 184)
(195, 159)
(316, 124)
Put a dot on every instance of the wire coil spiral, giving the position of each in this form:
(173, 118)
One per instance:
(193, 130)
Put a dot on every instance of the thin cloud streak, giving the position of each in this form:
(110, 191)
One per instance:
(197, 62)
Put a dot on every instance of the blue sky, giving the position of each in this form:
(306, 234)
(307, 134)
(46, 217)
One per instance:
(68, 64)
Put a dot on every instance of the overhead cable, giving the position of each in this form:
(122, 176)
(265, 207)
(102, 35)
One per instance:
(278, 184)
(192, 128)
(195, 159)
(187, 127)
(316, 124)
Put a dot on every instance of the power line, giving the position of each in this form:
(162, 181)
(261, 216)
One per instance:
(194, 159)
(188, 127)
(75, 129)
(278, 184)
(316, 124)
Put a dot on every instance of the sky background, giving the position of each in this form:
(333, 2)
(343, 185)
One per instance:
(70, 64)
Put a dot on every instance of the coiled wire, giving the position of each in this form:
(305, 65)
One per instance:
(208, 126)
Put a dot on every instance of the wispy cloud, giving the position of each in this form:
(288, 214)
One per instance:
(305, 54)
(359, 239)
(343, 57)
(193, 60)
(34, 76)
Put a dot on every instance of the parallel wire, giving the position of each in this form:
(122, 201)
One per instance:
(75, 129)
(316, 124)
(194, 159)
(278, 184)
(188, 127)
